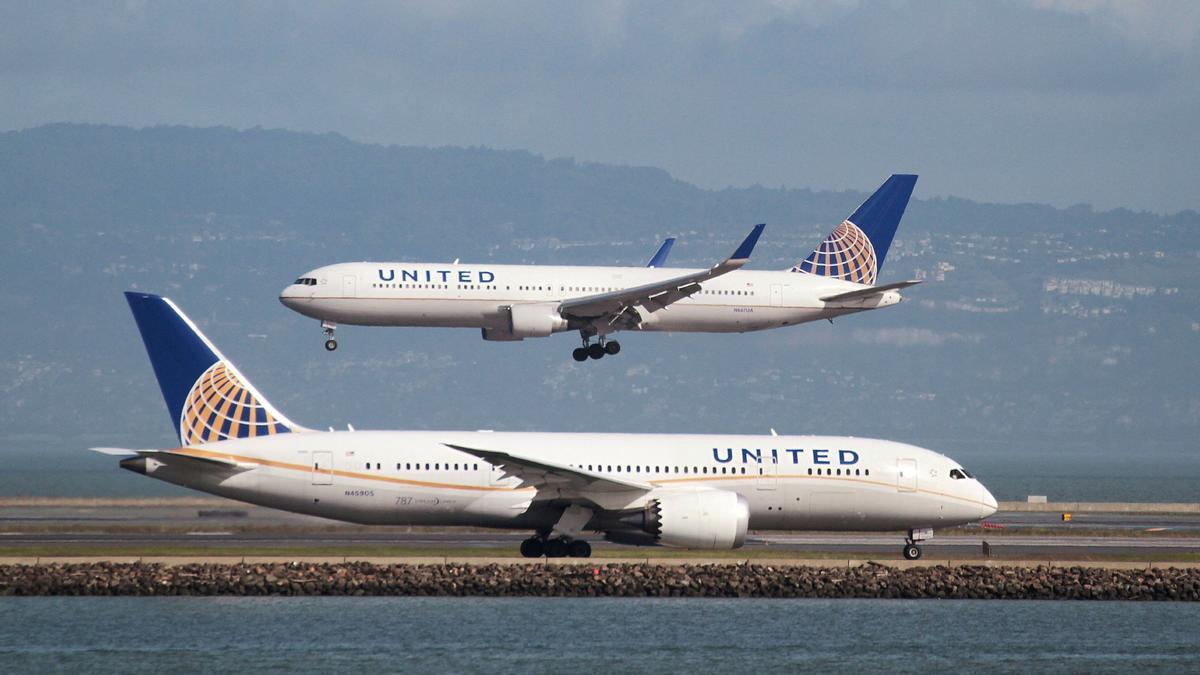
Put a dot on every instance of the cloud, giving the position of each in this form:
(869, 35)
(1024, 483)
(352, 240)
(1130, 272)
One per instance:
(1062, 101)
(1158, 27)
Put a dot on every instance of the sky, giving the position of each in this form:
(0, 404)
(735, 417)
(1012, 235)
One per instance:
(1054, 101)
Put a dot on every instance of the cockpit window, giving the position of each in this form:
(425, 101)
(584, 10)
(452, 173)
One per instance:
(306, 281)
(960, 474)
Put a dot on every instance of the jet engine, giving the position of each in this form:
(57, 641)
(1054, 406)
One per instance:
(700, 519)
(537, 319)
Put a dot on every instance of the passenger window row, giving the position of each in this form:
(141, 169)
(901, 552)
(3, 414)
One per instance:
(631, 468)
(838, 472)
(425, 286)
(436, 466)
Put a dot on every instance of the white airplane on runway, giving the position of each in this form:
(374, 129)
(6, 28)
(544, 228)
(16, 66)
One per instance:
(514, 302)
(688, 490)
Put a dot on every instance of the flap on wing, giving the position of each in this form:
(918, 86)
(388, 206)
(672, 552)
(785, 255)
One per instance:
(869, 291)
(657, 295)
(540, 473)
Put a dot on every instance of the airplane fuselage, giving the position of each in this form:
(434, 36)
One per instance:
(414, 478)
(475, 296)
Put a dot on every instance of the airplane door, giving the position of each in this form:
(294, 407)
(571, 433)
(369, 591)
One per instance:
(322, 468)
(776, 295)
(768, 473)
(349, 286)
(906, 475)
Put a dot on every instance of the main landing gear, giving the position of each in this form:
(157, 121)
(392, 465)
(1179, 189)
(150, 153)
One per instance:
(912, 550)
(596, 350)
(558, 547)
(327, 327)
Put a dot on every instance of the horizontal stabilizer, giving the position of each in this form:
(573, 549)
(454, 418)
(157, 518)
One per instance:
(179, 454)
(868, 292)
(118, 452)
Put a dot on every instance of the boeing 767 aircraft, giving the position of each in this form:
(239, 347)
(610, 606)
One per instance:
(695, 491)
(514, 302)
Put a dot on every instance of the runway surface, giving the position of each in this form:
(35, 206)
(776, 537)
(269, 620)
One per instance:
(228, 526)
(958, 546)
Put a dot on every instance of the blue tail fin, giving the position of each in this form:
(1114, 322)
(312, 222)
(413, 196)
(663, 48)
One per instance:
(209, 400)
(855, 250)
(660, 257)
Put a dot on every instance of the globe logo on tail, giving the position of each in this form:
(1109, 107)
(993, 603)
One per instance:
(220, 406)
(846, 254)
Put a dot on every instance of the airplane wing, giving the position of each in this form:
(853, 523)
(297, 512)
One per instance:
(869, 291)
(663, 251)
(660, 294)
(548, 475)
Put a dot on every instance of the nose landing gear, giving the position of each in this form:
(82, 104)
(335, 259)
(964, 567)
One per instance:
(912, 550)
(327, 327)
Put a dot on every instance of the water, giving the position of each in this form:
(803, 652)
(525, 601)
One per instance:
(609, 635)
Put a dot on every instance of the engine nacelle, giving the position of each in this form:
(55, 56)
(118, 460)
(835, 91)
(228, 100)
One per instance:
(701, 519)
(499, 335)
(537, 319)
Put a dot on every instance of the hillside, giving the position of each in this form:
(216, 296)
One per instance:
(1038, 330)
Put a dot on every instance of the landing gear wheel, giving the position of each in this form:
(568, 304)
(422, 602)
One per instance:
(912, 551)
(532, 548)
(612, 347)
(579, 549)
(556, 548)
(595, 350)
(580, 354)
(327, 328)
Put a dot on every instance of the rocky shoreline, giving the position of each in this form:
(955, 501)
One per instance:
(600, 580)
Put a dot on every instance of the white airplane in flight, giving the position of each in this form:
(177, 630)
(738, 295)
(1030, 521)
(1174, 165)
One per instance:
(688, 490)
(514, 302)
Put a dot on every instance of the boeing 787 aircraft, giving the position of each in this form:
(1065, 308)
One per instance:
(688, 490)
(514, 302)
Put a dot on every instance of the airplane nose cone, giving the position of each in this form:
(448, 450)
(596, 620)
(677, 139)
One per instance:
(989, 502)
(292, 296)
